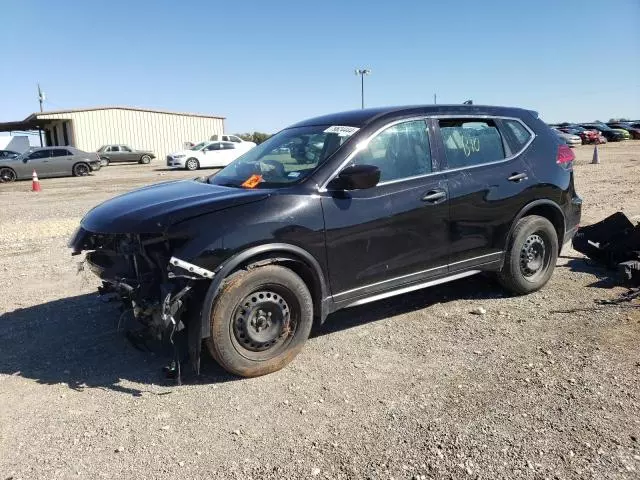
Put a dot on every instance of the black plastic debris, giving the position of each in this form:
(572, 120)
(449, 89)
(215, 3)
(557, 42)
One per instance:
(614, 243)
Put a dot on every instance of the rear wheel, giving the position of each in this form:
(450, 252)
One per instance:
(531, 255)
(81, 170)
(192, 164)
(145, 159)
(260, 321)
(7, 175)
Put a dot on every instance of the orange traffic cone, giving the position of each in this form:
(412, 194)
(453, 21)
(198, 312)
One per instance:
(35, 183)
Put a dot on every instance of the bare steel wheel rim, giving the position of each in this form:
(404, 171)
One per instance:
(534, 257)
(7, 175)
(264, 323)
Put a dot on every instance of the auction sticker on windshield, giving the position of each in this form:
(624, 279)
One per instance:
(342, 131)
(252, 181)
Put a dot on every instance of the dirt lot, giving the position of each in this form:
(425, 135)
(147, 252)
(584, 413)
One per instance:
(411, 387)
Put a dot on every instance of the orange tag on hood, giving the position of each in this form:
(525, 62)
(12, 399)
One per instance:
(252, 181)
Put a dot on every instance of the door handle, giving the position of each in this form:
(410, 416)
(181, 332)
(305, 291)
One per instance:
(434, 196)
(518, 177)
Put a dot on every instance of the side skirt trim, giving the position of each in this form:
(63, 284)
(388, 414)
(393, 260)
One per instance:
(411, 288)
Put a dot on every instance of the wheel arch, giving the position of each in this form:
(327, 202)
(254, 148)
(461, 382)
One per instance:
(543, 208)
(297, 259)
(81, 162)
(16, 177)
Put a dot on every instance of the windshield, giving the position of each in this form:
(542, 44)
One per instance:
(287, 157)
(199, 146)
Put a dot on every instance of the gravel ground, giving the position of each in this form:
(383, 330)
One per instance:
(411, 387)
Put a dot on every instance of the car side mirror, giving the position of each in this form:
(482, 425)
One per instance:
(356, 177)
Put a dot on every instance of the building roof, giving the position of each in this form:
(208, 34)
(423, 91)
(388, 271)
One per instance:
(40, 119)
(120, 107)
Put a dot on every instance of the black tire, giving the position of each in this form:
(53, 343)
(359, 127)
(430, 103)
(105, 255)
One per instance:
(7, 175)
(531, 255)
(260, 321)
(81, 170)
(145, 159)
(192, 164)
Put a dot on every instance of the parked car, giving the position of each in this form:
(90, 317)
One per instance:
(607, 132)
(8, 154)
(49, 162)
(625, 134)
(123, 153)
(587, 136)
(208, 154)
(634, 132)
(568, 138)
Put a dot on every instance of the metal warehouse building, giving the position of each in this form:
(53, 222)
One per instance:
(141, 128)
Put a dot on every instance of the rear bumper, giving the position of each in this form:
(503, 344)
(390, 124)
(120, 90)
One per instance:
(572, 218)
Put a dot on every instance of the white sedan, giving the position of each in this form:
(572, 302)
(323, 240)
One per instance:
(208, 154)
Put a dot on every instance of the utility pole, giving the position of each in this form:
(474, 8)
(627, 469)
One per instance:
(41, 100)
(362, 72)
(435, 99)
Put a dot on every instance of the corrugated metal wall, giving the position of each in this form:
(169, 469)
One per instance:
(161, 133)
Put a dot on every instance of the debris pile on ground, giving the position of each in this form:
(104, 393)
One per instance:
(614, 243)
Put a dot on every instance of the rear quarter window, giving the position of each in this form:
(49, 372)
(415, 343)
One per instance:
(516, 134)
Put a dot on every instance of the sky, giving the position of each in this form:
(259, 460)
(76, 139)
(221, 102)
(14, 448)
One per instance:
(267, 64)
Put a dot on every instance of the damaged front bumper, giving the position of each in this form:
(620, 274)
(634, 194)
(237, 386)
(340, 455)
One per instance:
(163, 292)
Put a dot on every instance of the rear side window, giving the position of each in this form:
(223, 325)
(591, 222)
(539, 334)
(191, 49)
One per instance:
(520, 136)
(59, 152)
(468, 142)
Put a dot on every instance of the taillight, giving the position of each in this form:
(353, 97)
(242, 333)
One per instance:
(565, 157)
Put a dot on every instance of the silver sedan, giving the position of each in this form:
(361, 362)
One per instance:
(49, 162)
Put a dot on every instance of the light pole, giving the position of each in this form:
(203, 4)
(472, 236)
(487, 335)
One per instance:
(41, 100)
(362, 72)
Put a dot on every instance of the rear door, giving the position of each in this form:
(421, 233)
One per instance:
(61, 161)
(127, 155)
(488, 177)
(229, 153)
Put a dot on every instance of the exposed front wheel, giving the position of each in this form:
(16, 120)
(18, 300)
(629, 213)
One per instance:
(81, 170)
(260, 321)
(192, 164)
(145, 159)
(531, 255)
(7, 175)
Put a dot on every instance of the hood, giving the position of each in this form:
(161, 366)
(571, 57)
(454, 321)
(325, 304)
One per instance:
(152, 209)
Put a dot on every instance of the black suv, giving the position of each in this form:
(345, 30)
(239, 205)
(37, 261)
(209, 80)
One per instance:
(332, 212)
